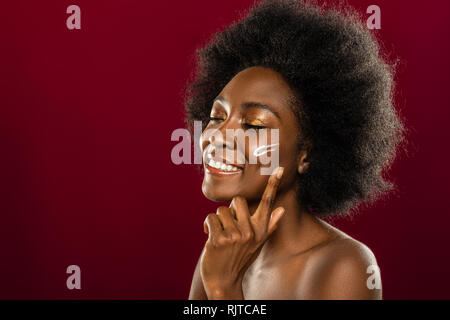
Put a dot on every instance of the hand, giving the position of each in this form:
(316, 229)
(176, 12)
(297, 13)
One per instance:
(235, 239)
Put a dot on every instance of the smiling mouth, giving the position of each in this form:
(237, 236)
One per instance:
(220, 168)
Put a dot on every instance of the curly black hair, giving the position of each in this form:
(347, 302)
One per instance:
(343, 86)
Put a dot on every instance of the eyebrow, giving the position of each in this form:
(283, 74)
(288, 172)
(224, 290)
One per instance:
(251, 104)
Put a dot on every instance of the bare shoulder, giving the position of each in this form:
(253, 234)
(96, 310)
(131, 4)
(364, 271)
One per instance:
(348, 249)
(342, 268)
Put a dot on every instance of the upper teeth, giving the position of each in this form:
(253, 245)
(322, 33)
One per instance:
(221, 165)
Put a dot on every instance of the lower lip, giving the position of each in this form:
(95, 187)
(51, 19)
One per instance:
(221, 172)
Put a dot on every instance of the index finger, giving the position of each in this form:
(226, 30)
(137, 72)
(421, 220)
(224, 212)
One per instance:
(265, 205)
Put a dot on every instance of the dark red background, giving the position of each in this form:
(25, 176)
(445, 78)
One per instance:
(86, 176)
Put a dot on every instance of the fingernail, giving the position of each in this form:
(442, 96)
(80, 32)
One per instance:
(278, 212)
(280, 172)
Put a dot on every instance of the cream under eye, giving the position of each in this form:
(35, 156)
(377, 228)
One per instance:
(262, 150)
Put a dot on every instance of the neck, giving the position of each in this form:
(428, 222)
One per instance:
(297, 230)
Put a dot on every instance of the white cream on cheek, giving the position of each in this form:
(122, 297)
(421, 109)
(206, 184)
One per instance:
(262, 150)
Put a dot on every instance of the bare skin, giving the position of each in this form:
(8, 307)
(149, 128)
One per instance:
(265, 245)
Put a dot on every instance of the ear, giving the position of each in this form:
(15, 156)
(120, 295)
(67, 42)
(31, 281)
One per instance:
(303, 162)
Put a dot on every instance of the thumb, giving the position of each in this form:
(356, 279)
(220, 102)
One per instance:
(275, 217)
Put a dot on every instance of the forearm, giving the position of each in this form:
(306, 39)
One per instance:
(225, 293)
(197, 291)
(197, 294)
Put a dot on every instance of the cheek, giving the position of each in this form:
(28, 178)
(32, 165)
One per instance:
(288, 160)
(265, 151)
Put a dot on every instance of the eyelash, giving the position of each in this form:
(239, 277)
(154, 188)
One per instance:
(248, 126)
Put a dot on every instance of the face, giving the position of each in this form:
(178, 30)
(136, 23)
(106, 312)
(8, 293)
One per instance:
(256, 100)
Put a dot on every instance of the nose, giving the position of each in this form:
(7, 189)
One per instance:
(223, 139)
(216, 139)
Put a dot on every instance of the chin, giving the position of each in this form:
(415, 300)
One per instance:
(216, 195)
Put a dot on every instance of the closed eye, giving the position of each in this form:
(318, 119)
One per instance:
(251, 126)
(214, 119)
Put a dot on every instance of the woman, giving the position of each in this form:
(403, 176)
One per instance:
(318, 78)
